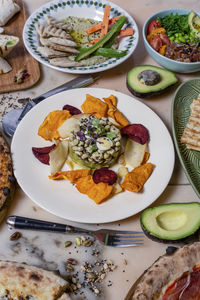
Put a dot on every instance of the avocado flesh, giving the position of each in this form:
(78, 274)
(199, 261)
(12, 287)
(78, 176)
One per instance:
(83, 163)
(139, 89)
(171, 222)
(194, 23)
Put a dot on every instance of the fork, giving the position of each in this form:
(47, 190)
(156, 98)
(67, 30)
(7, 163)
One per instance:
(107, 237)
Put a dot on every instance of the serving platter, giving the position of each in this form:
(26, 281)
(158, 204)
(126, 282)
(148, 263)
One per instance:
(63, 199)
(190, 159)
(93, 9)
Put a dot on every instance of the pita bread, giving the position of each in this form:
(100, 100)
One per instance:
(7, 43)
(64, 48)
(64, 62)
(63, 42)
(8, 9)
(4, 66)
(7, 181)
(20, 281)
(51, 30)
(154, 282)
(191, 134)
(50, 53)
(58, 24)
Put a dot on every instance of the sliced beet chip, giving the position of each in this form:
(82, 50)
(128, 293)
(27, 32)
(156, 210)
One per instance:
(73, 110)
(42, 154)
(136, 132)
(104, 175)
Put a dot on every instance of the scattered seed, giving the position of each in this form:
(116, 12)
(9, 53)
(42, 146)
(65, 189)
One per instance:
(67, 244)
(72, 261)
(78, 241)
(87, 243)
(125, 262)
(69, 268)
(15, 236)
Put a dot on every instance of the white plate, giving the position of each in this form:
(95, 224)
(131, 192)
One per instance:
(63, 199)
(93, 9)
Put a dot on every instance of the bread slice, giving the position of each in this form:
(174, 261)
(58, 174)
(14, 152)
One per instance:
(7, 180)
(21, 281)
(191, 134)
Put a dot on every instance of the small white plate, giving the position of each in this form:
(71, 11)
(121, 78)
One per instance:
(61, 197)
(93, 9)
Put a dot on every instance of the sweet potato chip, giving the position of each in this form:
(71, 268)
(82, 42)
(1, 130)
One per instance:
(145, 158)
(97, 192)
(72, 176)
(135, 179)
(113, 112)
(94, 106)
(48, 129)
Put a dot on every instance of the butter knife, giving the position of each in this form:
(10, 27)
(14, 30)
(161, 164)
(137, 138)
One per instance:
(13, 117)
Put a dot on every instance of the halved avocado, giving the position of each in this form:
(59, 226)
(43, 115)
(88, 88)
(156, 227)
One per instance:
(194, 23)
(171, 222)
(147, 81)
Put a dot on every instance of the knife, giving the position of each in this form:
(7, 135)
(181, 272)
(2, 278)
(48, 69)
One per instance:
(11, 119)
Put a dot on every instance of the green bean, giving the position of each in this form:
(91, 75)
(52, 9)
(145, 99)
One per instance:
(115, 29)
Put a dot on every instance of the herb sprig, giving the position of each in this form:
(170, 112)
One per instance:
(175, 23)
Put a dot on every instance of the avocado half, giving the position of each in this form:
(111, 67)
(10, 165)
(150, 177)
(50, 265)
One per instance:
(194, 23)
(140, 89)
(171, 222)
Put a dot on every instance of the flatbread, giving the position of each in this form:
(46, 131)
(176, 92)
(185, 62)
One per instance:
(63, 48)
(64, 62)
(51, 53)
(20, 281)
(191, 134)
(5, 67)
(154, 282)
(8, 8)
(7, 181)
(7, 44)
(51, 30)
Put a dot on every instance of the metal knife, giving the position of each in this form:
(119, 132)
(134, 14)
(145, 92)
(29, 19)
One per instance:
(13, 117)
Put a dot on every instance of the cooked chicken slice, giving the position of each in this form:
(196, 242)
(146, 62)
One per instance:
(51, 30)
(50, 53)
(64, 42)
(64, 62)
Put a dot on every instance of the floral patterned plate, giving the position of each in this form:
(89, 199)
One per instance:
(93, 9)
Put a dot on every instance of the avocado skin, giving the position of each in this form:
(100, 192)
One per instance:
(190, 22)
(149, 94)
(194, 236)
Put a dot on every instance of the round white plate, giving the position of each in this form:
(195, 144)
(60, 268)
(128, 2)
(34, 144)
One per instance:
(61, 197)
(94, 9)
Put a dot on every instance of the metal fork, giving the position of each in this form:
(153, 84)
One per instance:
(107, 237)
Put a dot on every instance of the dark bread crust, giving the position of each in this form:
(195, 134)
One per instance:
(166, 270)
(7, 180)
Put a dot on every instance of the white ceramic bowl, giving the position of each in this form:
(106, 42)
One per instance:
(93, 9)
(170, 64)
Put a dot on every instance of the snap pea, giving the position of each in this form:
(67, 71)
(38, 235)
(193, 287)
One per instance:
(116, 28)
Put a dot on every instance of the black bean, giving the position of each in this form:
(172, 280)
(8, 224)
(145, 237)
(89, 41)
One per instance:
(170, 250)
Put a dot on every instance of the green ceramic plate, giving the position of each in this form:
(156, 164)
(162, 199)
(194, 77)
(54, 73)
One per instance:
(190, 159)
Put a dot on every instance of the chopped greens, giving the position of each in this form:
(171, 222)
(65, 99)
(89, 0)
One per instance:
(175, 23)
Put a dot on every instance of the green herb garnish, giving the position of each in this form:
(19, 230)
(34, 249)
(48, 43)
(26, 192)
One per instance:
(111, 135)
(175, 23)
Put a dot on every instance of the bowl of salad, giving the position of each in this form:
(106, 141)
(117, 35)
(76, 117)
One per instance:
(172, 38)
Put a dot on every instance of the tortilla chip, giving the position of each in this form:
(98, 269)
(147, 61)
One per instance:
(113, 112)
(135, 179)
(94, 106)
(97, 192)
(145, 158)
(48, 129)
(72, 176)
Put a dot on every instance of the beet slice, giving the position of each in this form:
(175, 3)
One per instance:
(136, 132)
(104, 175)
(42, 154)
(73, 110)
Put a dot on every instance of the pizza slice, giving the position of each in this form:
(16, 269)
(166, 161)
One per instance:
(171, 277)
(24, 282)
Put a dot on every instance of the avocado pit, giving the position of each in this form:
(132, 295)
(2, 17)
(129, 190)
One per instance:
(149, 77)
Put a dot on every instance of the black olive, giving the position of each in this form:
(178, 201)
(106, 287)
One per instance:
(170, 250)
(149, 77)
